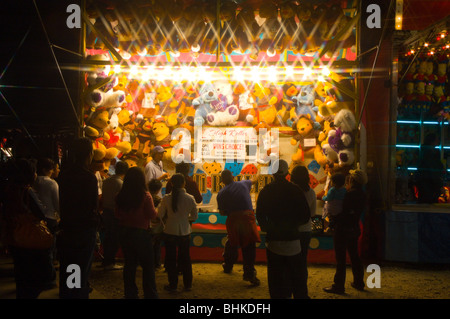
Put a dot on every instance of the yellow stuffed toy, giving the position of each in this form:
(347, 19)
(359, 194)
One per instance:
(163, 137)
(266, 101)
(327, 104)
(96, 123)
(168, 105)
(306, 137)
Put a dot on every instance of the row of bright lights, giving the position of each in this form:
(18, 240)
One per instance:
(239, 74)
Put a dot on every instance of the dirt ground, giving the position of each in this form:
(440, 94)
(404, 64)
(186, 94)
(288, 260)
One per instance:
(398, 281)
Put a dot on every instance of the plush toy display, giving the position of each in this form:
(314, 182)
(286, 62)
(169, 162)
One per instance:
(96, 123)
(163, 137)
(421, 72)
(266, 100)
(247, 32)
(144, 138)
(305, 40)
(406, 107)
(179, 71)
(304, 105)
(168, 105)
(230, 25)
(342, 139)
(289, 36)
(325, 103)
(246, 104)
(441, 77)
(306, 137)
(208, 94)
(209, 40)
(270, 27)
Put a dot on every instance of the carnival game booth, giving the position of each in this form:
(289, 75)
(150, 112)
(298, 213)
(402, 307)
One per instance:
(418, 231)
(224, 85)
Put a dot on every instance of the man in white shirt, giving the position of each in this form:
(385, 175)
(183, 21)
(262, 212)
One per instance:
(154, 169)
(47, 190)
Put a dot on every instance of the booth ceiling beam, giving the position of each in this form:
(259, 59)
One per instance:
(424, 35)
(103, 38)
(332, 42)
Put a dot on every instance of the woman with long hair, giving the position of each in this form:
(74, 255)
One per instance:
(300, 177)
(178, 210)
(135, 210)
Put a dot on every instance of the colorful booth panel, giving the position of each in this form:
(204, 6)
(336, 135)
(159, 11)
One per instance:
(209, 237)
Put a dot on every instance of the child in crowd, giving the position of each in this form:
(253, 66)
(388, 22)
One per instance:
(334, 199)
(157, 226)
(154, 187)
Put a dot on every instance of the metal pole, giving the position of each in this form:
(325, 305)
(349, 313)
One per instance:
(373, 65)
(56, 61)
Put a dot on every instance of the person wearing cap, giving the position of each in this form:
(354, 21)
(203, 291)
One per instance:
(347, 232)
(281, 210)
(235, 202)
(154, 169)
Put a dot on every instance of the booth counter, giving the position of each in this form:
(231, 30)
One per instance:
(418, 233)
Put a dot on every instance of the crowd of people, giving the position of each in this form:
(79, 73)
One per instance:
(133, 215)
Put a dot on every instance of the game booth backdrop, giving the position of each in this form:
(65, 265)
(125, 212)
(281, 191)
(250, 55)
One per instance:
(418, 232)
(224, 85)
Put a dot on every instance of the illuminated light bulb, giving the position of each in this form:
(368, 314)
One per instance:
(126, 55)
(107, 69)
(447, 46)
(442, 35)
(308, 72)
(167, 73)
(143, 52)
(272, 74)
(271, 52)
(133, 70)
(238, 75)
(426, 44)
(326, 71)
(184, 73)
(202, 75)
(412, 51)
(195, 48)
(321, 78)
(175, 54)
(145, 76)
(289, 71)
(117, 69)
(255, 75)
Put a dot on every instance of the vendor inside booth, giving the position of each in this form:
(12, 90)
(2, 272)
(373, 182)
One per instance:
(224, 85)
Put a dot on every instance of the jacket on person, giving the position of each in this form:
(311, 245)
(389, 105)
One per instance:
(281, 209)
(352, 208)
